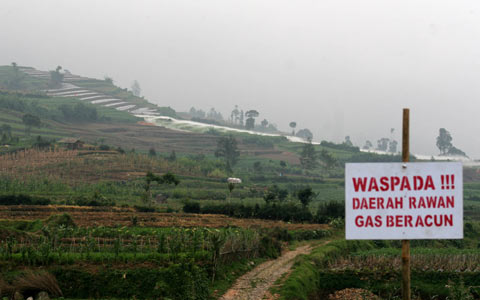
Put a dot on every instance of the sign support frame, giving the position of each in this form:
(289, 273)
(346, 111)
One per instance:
(406, 282)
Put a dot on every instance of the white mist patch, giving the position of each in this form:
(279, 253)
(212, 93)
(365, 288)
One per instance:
(192, 126)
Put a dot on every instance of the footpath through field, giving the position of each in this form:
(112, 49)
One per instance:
(255, 284)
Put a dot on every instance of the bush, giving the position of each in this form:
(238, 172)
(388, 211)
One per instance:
(79, 112)
(342, 146)
(329, 211)
(191, 207)
(22, 199)
(286, 212)
(258, 140)
(61, 220)
(177, 281)
(100, 201)
(270, 247)
(140, 208)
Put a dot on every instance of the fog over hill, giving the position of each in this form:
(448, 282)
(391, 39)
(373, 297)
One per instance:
(336, 67)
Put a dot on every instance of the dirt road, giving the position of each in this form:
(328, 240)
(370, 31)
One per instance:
(255, 284)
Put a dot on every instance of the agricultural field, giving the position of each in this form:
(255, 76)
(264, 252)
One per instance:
(95, 252)
(146, 212)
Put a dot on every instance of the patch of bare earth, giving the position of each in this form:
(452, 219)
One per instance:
(353, 294)
(256, 283)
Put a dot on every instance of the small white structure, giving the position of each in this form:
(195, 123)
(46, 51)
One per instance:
(234, 180)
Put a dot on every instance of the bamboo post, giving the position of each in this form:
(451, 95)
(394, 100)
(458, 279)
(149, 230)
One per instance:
(406, 291)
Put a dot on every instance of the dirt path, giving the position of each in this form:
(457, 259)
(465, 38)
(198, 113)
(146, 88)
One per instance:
(255, 284)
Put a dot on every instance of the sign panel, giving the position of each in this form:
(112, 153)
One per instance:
(393, 201)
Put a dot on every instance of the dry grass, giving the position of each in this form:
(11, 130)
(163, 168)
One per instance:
(70, 166)
(38, 282)
(422, 262)
(5, 289)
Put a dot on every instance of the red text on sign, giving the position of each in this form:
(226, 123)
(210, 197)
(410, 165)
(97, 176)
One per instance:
(404, 183)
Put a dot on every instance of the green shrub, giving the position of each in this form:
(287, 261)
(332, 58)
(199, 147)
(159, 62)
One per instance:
(177, 281)
(61, 220)
(191, 207)
(23, 200)
(287, 212)
(329, 211)
(141, 208)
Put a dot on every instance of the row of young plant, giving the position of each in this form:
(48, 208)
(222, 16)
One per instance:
(189, 263)
(57, 240)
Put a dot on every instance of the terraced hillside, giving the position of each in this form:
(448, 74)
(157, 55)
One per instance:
(99, 92)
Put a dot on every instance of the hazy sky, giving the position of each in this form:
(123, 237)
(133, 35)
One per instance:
(337, 67)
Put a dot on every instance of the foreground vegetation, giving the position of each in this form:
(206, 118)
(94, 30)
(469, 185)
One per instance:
(445, 269)
(137, 261)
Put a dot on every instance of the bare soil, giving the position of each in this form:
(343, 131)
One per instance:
(353, 294)
(115, 216)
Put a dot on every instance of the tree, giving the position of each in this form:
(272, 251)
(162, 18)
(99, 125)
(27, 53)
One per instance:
(136, 90)
(167, 178)
(293, 125)
(41, 143)
(392, 147)
(348, 142)
(197, 113)
(257, 167)
(328, 160)
(30, 121)
(444, 141)
(214, 115)
(308, 157)
(305, 196)
(250, 123)
(173, 156)
(240, 118)
(56, 77)
(235, 115)
(368, 145)
(305, 134)
(444, 144)
(274, 193)
(251, 115)
(227, 148)
(79, 112)
(6, 130)
(108, 79)
(382, 144)
(456, 152)
(152, 152)
(15, 82)
(264, 123)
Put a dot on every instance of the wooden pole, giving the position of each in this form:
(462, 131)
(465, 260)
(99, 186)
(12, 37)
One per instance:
(406, 291)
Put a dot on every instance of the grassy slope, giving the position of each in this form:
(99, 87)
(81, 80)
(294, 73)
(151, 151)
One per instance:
(29, 83)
